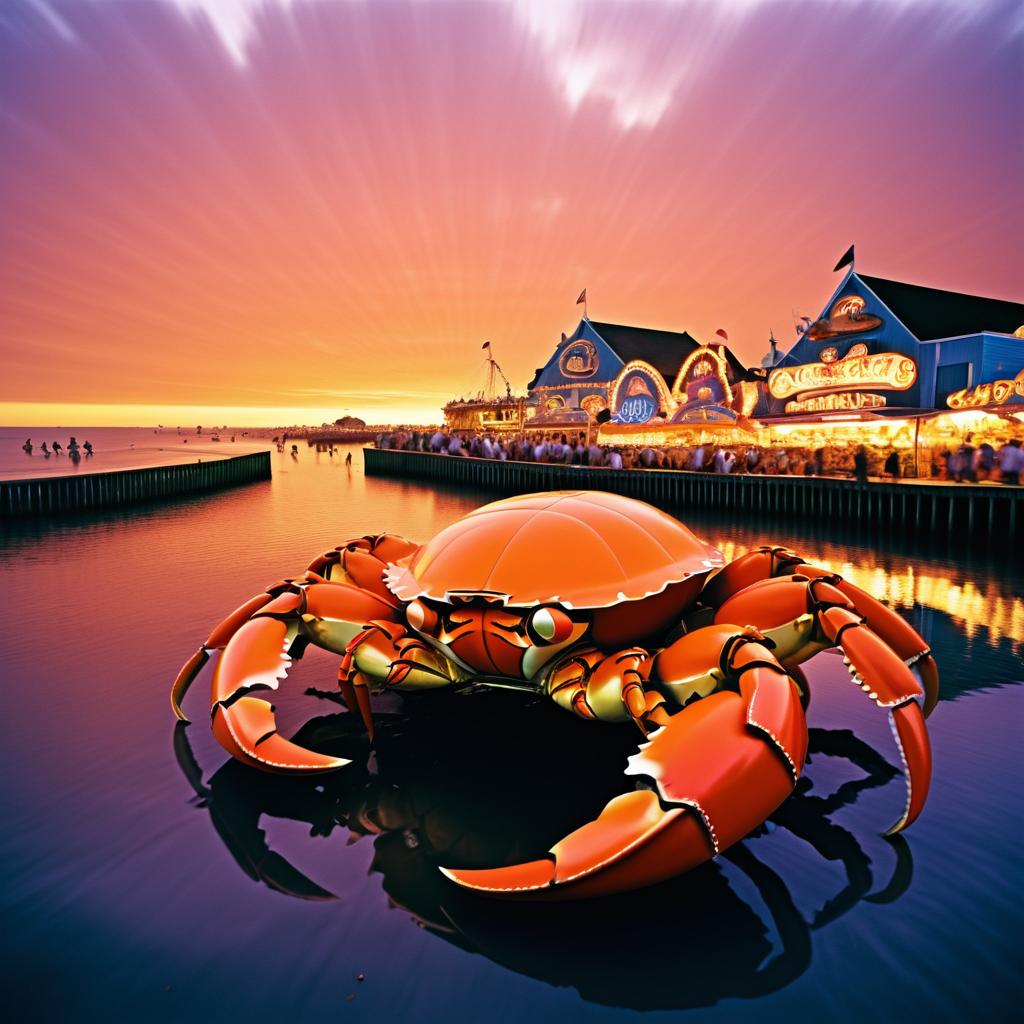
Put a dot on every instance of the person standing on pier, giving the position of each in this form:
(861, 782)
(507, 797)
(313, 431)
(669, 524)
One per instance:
(984, 461)
(1011, 462)
(963, 466)
(860, 465)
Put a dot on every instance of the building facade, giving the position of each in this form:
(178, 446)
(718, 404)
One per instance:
(885, 345)
(633, 375)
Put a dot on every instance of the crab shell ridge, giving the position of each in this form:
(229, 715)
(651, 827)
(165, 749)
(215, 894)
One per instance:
(579, 549)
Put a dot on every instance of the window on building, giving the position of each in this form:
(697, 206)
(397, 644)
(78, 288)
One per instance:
(951, 378)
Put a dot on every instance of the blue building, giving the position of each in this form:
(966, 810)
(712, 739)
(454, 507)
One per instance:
(882, 344)
(582, 371)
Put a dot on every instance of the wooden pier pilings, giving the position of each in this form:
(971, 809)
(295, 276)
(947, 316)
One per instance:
(52, 495)
(989, 516)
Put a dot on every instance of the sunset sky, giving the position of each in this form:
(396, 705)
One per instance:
(283, 210)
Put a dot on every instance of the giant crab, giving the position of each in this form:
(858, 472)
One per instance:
(618, 613)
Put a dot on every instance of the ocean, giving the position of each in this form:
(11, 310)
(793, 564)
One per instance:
(147, 876)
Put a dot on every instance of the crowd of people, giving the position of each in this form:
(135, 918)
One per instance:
(968, 463)
(74, 449)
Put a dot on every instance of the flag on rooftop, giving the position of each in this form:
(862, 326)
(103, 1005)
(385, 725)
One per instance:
(846, 260)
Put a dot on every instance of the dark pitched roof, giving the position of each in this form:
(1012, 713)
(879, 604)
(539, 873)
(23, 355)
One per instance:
(535, 377)
(664, 350)
(930, 313)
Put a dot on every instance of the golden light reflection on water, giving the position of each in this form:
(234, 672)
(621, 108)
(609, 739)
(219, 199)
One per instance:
(902, 585)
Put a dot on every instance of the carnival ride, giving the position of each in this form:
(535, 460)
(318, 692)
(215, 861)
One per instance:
(617, 612)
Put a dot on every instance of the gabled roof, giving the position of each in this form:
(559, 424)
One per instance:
(535, 377)
(930, 313)
(664, 350)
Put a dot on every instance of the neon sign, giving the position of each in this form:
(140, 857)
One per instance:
(850, 306)
(887, 370)
(847, 316)
(996, 393)
(845, 400)
(703, 378)
(639, 393)
(579, 359)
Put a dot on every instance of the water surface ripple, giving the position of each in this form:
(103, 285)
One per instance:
(143, 875)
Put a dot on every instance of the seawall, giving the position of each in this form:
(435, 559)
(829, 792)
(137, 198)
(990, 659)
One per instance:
(986, 515)
(55, 495)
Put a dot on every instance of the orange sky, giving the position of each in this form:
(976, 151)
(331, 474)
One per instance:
(297, 210)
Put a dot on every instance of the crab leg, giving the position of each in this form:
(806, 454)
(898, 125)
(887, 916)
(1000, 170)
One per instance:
(718, 769)
(255, 659)
(803, 616)
(259, 652)
(218, 639)
(893, 629)
(766, 563)
(610, 687)
(361, 562)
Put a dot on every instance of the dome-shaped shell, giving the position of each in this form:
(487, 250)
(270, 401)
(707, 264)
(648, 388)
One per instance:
(581, 549)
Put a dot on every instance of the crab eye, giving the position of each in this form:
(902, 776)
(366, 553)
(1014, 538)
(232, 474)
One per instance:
(549, 626)
(420, 617)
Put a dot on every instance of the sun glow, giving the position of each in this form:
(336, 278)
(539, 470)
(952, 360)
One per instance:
(48, 414)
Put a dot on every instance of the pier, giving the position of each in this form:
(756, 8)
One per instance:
(55, 495)
(986, 515)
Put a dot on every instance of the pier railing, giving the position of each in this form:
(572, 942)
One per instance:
(986, 515)
(59, 494)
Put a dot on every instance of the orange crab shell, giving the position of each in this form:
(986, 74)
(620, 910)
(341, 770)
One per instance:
(579, 549)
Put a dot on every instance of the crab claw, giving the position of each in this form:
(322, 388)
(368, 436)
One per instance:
(719, 768)
(883, 676)
(255, 659)
(217, 639)
(911, 735)
(894, 630)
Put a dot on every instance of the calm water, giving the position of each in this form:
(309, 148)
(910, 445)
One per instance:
(143, 875)
(114, 447)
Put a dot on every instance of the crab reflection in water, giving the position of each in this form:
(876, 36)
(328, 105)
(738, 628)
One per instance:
(453, 783)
